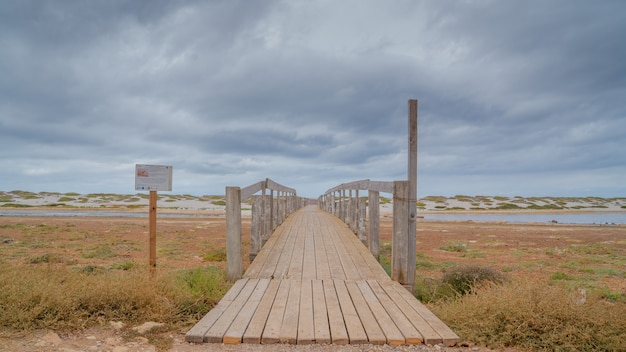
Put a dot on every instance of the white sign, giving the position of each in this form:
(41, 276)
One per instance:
(153, 177)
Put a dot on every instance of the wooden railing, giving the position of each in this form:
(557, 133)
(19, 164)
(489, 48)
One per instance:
(343, 201)
(268, 211)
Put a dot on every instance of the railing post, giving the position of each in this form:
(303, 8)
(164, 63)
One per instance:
(402, 253)
(256, 227)
(373, 240)
(274, 216)
(361, 216)
(233, 233)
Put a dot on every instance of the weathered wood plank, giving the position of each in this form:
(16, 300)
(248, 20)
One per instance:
(271, 334)
(270, 248)
(235, 332)
(402, 298)
(297, 258)
(350, 269)
(448, 337)
(393, 335)
(336, 320)
(410, 333)
(322, 267)
(334, 263)
(320, 313)
(284, 255)
(196, 334)
(354, 326)
(374, 333)
(306, 325)
(289, 329)
(309, 269)
(255, 329)
(217, 331)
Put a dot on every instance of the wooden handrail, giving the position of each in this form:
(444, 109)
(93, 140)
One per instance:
(267, 213)
(352, 211)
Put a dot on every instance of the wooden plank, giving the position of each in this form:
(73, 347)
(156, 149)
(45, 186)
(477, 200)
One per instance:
(309, 271)
(217, 331)
(268, 249)
(334, 263)
(374, 333)
(295, 265)
(393, 335)
(283, 255)
(257, 324)
(320, 313)
(235, 332)
(350, 270)
(408, 331)
(430, 336)
(449, 338)
(273, 260)
(354, 326)
(289, 329)
(271, 334)
(337, 326)
(196, 334)
(306, 325)
(322, 267)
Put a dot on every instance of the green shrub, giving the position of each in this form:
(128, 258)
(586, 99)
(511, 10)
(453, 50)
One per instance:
(462, 279)
(530, 314)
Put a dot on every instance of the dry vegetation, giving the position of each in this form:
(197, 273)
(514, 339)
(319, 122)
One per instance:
(534, 287)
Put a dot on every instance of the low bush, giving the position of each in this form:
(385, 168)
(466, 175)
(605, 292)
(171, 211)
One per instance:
(59, 297)
(535, 315)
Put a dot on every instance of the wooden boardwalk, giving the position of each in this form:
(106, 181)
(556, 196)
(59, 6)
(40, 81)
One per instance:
(314, 282)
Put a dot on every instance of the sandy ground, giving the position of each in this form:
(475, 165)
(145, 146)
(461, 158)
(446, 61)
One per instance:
(518, 249)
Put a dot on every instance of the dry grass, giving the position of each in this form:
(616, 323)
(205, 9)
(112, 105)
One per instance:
(59, 297)
(536, 315)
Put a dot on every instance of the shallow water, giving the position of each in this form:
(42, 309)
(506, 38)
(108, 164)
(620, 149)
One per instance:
(46, 213)
(561, 218)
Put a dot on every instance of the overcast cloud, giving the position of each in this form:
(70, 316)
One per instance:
(515, 97)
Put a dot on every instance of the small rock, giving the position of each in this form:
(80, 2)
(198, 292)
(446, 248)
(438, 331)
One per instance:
(142, 340)
(117, 325)
(91, 337)
(147, 326)
(52, 338)
(465, 344)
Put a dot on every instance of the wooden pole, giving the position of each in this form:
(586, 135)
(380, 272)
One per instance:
(233, 233)
(402, 270)
(412, 177)
(152, 226)
(373, 239)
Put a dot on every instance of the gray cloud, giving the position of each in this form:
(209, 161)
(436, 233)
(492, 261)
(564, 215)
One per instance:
(516, 98)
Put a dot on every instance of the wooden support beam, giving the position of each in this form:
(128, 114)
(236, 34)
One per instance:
(233, 233)
(373, 238)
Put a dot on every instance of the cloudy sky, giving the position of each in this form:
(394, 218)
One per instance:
(515, 97)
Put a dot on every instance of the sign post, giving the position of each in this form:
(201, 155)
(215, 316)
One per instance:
(153, 178)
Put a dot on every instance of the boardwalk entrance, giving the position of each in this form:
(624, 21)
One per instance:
(314, 282)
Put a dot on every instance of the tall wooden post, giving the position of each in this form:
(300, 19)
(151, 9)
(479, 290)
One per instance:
(373, 238)
(152, 224)
(412, 196)
(233, 233)
(402, 257)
